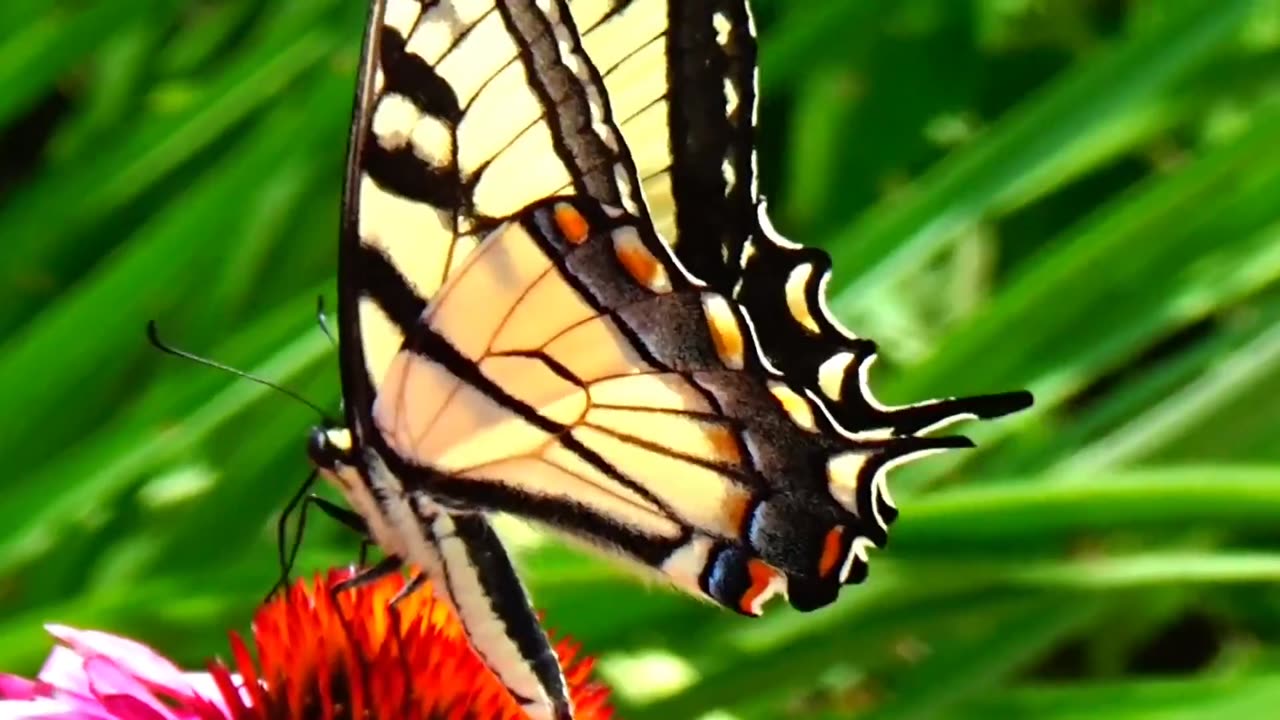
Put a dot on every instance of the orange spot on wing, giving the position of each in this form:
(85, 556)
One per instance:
(736, 506)
(762, 577)
(572, 224)
(794, 405)
(727, 337)
(640, 264)
(832, 549)
(725, 444)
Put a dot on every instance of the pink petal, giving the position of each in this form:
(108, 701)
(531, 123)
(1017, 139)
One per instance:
(49, 709)
(64, 669)
(42, 699)
(125, 707)
(137, 658)
(95, 675)
(111, 682)
(13, 687)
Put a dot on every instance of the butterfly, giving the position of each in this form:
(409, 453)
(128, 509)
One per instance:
(560, 297)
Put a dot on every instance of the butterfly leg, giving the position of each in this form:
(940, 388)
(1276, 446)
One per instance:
(410, 588)
(344, 516)
(350, 519)
(341, 514)
(386, 566)
(282, 529)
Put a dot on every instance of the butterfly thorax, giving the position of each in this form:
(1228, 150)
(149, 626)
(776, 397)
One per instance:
(335, 456)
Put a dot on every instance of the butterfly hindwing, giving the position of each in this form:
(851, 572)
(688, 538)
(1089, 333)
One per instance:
(573, 373)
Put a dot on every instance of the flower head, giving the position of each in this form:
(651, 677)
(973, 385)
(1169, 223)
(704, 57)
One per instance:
(351, 656)
(319, 655)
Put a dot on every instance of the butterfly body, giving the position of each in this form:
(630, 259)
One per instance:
(465, 559)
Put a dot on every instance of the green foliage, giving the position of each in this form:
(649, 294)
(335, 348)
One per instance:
(1075, 197)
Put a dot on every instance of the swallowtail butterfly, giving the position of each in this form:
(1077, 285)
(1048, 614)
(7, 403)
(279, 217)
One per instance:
(560, 298)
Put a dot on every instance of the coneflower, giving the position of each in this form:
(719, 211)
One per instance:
(317, 656)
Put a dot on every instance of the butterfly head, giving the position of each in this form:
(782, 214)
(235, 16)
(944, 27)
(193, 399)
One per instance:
(332, 452)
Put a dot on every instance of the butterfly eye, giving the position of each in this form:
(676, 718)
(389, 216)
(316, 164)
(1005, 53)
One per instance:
(328, 449)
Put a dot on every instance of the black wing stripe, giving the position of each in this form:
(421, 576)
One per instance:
(731, 474)
(486, 564)
(704, 138)
(712, 135)
(579, 103)
(389, 289)
(403, 174)
(408, 74)
(580, 522)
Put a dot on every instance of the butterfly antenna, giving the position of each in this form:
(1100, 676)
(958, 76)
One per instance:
(153, 334)
(322, 319)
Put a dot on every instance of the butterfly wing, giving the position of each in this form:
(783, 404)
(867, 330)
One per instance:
(466, 112)
(680, 75)
(682, 79)
(571, 372)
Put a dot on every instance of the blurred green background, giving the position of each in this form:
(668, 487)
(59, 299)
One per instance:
(1080, 197)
